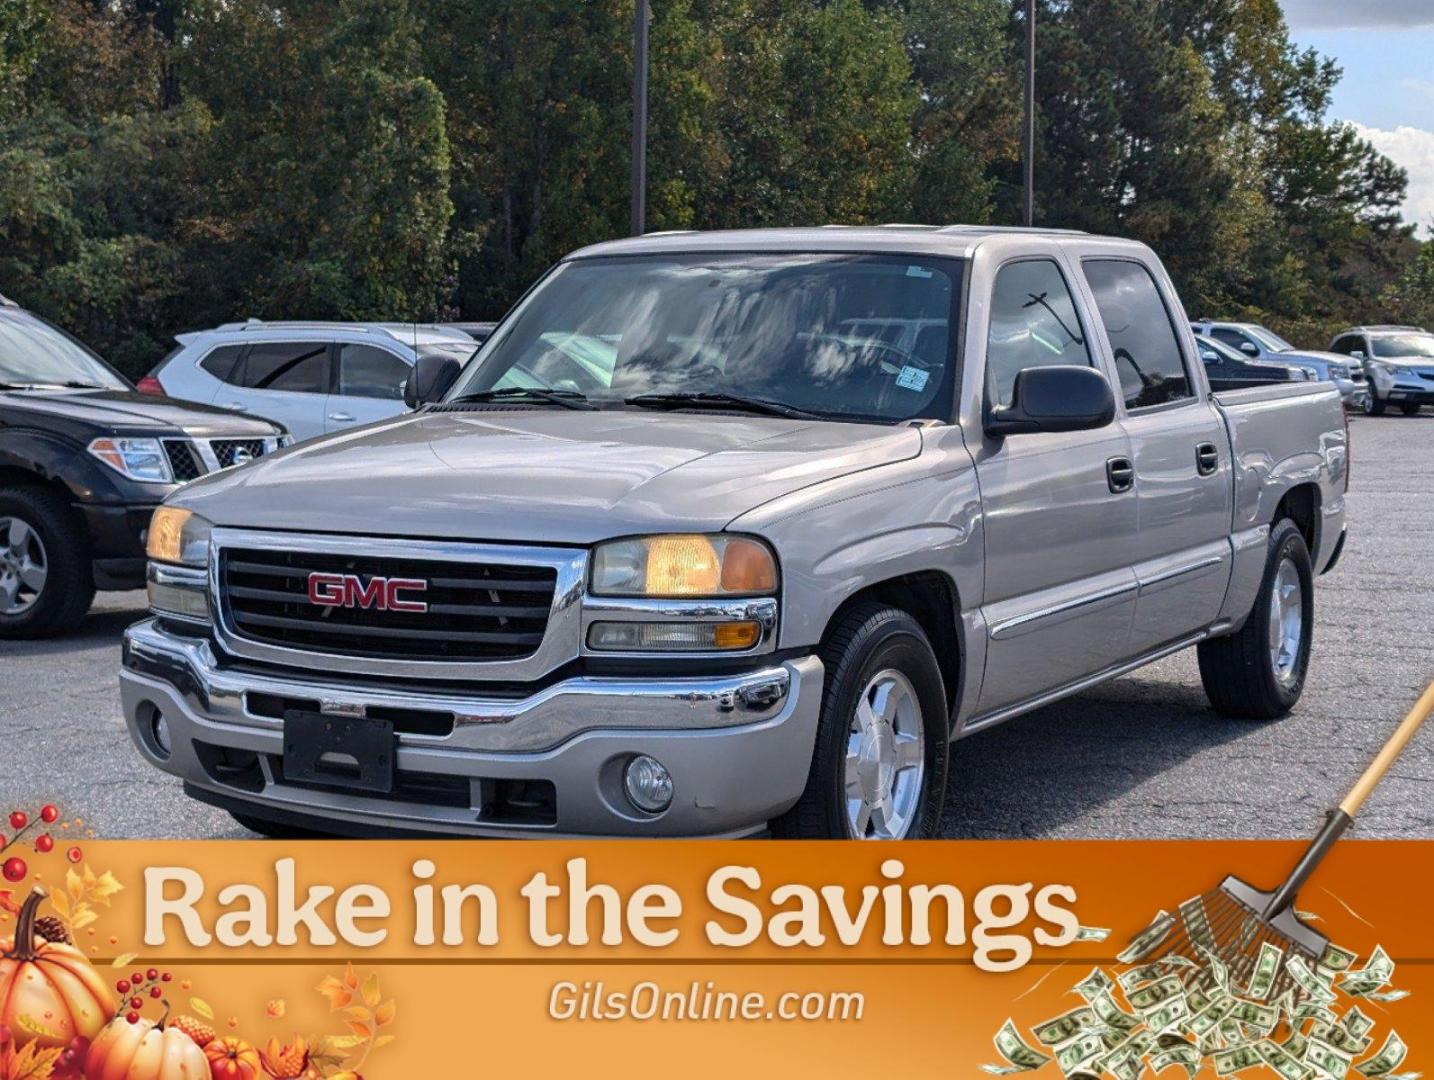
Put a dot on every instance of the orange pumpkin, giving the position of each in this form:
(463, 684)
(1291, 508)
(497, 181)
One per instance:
(144, 1051)
(49, 994)
(231, 1058)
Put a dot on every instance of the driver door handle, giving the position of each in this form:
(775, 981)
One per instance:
(1119, 474)
(340, 417)
(1207, 459)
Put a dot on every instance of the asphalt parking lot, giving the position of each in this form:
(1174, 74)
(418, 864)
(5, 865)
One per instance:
(1142, 756)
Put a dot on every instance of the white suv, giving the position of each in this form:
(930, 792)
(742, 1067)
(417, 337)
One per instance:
(312, 377)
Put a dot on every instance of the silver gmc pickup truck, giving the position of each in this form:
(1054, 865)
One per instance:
(738, 531)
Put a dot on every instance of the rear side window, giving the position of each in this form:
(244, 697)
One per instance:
(296, 367)
(1142, 336)
(221, 362)
(1033, 324)
(366, 371)
(1347, 345)
(1232, 338)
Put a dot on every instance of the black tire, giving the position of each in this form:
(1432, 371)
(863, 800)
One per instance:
(69, 586)
(1238, 671)
(1372, 405)
(865, 641)
(277, 830)
(1410, 408)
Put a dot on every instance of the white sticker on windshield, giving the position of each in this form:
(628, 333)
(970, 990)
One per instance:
(912, 378)
(918, 271)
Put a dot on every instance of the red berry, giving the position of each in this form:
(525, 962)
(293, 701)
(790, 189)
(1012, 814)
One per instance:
(165, 977)
(74, 854)
(19, 819)
(44, 843)
(15, 869)
(122, 986)
(155, 992)
(132, 1017)
(152, 974)
(136, 1003)
(137, 978)
(49, 812)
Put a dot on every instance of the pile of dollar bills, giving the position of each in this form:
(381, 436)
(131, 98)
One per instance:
(1192, 1012)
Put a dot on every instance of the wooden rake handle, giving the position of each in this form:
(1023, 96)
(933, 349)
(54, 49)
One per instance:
(1341, 818)
(1382, 762)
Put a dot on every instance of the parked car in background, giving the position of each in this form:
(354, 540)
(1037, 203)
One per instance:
(1261, 343)
(84, 460)
(1399, 362)
(478, 331)
(1230, 369)
(313, 377)
(759, 551)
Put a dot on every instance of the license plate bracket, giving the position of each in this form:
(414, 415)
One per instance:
(339, 751)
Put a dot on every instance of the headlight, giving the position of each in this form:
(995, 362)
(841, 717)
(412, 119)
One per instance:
(684, 566)
(179, 537)
(1312, 374)
(139, 459)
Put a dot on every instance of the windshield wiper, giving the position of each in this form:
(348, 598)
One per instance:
(718, 400)
(568, 399)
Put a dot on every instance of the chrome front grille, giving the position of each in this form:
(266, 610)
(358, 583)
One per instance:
(189, 459)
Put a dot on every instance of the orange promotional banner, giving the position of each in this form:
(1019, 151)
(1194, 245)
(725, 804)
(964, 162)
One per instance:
(388, 959)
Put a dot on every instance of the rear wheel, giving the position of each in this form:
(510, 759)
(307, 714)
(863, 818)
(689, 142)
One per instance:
(45, 581)
(879, 768)
(1259, 672)
(1410, 408)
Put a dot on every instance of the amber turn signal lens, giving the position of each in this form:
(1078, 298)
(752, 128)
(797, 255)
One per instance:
(748, 567)
(737, 635)
(166, 534)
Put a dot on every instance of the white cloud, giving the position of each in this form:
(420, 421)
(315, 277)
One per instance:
(1357, 14)
(1412, 148)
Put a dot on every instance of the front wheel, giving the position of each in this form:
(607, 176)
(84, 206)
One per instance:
(1372, 405)
(45, 583)
(1259, 672)
(879, 768)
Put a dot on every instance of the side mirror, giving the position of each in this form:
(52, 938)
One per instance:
(1057, 398)
(430, 380)
(1209, 357)
(1249, 348)
(1356, 354)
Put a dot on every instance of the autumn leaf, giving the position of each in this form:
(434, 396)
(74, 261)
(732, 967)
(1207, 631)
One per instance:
(74, 885)
(202, 1007)
(103, 888)
(276, 1008)
(351, 979)
(371, 994)
(33, 1063)
(123, 960)
(335, 1044)
(359, 1013)
(383, 1040)
(384, 1014)
(337, 993)
(7, 902)
(363, 1031)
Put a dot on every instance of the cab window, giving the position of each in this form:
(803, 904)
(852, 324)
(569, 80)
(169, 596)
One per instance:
(1033, 324)
(1141, 334)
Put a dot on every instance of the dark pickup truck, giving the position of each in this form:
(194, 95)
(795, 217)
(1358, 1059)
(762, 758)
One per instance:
(84, 460)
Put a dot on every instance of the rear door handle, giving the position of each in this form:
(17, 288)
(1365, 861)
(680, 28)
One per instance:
(1207, 459)
(1119, 474)
(340, 417)
(235, 406)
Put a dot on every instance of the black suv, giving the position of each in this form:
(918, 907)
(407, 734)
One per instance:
(84, 460)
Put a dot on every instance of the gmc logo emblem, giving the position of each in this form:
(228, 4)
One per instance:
(351, 591)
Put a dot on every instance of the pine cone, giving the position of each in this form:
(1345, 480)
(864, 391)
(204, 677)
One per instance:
(52, 929)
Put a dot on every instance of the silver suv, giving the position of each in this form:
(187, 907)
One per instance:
(1260, 343)
(1399, 361)
(315, 378)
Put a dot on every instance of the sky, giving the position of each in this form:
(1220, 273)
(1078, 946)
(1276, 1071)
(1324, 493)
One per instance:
(1386, 48)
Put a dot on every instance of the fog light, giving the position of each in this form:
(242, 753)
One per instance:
(160, 729)
(648, 784)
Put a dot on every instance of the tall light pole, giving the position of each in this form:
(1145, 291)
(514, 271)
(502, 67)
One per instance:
(641, 16)
(1028, 215)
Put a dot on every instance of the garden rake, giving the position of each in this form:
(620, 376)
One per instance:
(1232, 922)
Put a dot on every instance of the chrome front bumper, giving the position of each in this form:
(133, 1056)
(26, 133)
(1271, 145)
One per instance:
(738, 746)
(1353, 394)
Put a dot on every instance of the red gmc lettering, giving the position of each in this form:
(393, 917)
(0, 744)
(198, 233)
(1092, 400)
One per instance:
(351, 591)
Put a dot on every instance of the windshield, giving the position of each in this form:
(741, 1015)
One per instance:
(1269, 339)
(34, 353)
(850, 337)
(1390, 346)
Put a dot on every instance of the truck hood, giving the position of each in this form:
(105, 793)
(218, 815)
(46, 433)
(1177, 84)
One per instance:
(541, 476)
(127, 412)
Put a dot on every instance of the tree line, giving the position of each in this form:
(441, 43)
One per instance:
(170, 164)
